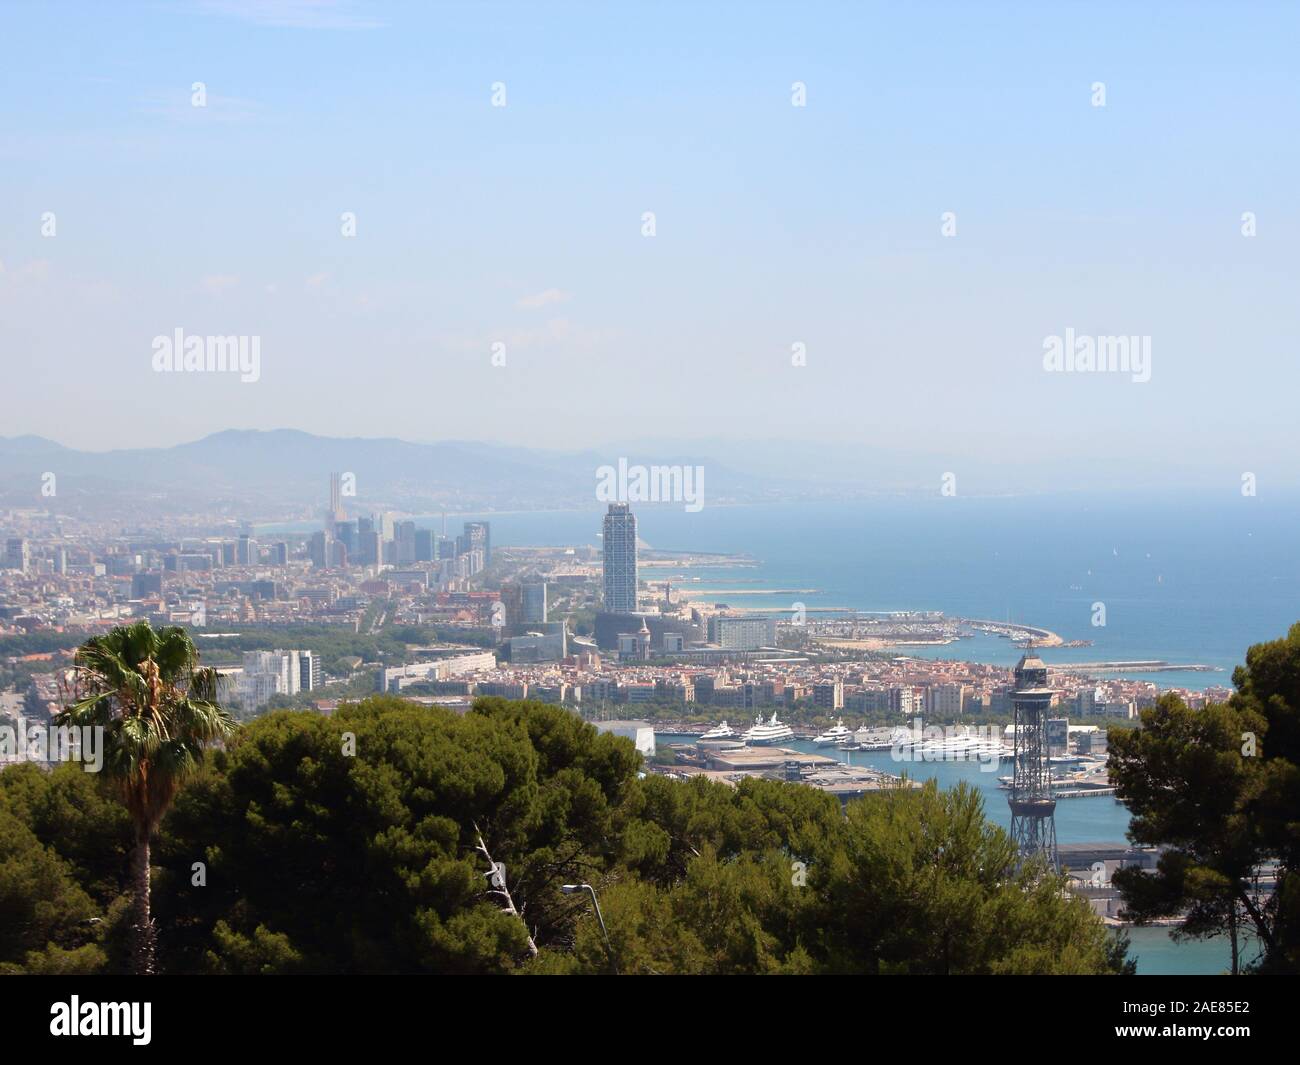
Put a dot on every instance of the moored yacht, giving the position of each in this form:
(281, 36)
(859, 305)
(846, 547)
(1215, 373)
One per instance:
(768, 734)
(719, 732)
(834, 736)
(869, 739)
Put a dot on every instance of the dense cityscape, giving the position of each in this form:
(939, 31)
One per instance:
(548, 490)
(582, 625)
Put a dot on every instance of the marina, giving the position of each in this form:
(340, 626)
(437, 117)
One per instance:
(1078, 825)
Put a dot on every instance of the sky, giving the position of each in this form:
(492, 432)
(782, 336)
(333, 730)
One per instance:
(501, 287)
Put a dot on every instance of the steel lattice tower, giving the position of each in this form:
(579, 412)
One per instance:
(1033, 809)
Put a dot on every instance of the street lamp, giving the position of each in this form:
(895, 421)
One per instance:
(575, 889)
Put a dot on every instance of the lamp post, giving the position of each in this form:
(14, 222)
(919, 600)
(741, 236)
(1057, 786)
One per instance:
(575, 889)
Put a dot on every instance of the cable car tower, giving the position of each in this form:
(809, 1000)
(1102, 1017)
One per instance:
(1033, 809)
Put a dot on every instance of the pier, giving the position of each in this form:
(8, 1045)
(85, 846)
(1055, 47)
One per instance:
(1152, 665)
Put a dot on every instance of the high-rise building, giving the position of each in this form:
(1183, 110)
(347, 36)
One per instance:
(405, 543)
(829, 696)
(620, 560)
(742, 633)
(336, 512)
(478, 535)
(949, 701)
(368, 549)
(372, 548)
(17, 554)
(346, 534)
(534, 603)
(512, 598)
(426, 545)
(320, 552)
(268, 673)
(146, 584)
(247, 552)
(308, 671)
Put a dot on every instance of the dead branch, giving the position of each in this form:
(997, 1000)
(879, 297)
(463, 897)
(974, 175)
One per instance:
(503, 891)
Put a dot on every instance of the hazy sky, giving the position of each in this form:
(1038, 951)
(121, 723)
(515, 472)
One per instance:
(775, 224)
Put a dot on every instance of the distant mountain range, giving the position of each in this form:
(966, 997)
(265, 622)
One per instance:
(285, 473)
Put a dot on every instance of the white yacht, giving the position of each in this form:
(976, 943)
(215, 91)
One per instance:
(869, 739)
(957, 749)
(719, 732)
(833, 737)
(768, 734)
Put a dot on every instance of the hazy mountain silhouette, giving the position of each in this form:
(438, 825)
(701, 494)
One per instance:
(286, 469)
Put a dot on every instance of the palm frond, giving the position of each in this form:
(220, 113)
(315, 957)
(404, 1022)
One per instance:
(158, 709)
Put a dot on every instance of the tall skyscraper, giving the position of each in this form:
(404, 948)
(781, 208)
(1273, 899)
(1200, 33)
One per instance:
(18, 554)
(336, 512)
(512, 598)
(620, 560)
(426, 547)
(309, 673)
(369, 546)
(534, 603)
(146, 584)
(346, 534)
(320, 551)
(405, 542)
(1033, 808)
(478, 534)
(372, 549)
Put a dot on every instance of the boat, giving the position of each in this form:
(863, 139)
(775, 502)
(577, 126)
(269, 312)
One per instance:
(768, 734)
(869, 739)
(833, 737)
(719, 732)
(959, 748)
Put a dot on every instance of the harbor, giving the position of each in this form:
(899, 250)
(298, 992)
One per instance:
(1091, 835)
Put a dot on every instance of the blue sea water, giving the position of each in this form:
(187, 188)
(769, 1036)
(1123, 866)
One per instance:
(1184, 582)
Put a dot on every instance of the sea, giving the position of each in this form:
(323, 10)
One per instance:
(1188, 581)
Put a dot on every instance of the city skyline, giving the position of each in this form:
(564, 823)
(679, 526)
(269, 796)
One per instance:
(704, 487)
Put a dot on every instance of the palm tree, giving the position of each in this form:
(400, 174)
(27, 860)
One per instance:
(158, 710)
